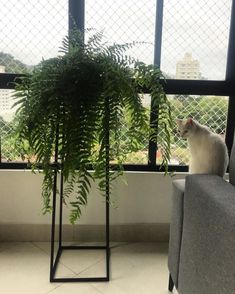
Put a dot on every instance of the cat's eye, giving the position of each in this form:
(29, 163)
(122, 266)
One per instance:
(184, 132)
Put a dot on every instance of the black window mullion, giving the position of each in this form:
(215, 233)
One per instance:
(7, 80)
(229, 139)
(157, 61)
(77, 14)
(199, 87)
(230, 77)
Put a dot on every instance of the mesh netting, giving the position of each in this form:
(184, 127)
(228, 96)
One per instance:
(207, 110)
(195, 39)
(125, 22)
(30, 31)
(199, 28)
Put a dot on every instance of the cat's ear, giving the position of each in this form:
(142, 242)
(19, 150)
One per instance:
(190, 121)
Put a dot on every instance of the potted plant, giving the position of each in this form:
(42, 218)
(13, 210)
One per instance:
(75, 100)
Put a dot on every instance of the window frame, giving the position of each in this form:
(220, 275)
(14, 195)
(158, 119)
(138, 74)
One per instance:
(172, 86)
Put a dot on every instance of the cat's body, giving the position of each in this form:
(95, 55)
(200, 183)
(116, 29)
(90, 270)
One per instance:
(208, 151)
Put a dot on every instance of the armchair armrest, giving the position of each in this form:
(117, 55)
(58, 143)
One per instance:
(207, 258)
(176, 228)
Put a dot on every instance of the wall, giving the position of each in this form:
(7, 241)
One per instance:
(144, 200)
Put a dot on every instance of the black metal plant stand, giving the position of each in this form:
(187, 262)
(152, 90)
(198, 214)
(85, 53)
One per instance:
(55, 258)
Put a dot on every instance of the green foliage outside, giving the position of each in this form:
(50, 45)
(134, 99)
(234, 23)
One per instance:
(12, 65)
(210, 111)
(10, 149)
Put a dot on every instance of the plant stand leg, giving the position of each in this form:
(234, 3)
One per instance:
(171, 284)
(53, 263)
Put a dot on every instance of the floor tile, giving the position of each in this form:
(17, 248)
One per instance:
(7, 245)
(75, 288)
(80, 260)
(136, 268)
(75, 260)
(25, 269)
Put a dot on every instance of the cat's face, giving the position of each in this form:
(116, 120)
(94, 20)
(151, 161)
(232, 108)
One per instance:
(186, 127)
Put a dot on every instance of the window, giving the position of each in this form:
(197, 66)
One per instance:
(192, 41)
(209, 110)
(196, 31)
(30, 31)
(124, 22)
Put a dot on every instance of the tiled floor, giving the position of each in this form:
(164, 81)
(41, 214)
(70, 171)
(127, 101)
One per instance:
(136, 268)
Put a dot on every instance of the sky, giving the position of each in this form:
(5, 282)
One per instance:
(33, 29)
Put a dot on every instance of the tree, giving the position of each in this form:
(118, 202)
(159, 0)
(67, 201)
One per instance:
(213, 113)
(11, 64)
(210, 111)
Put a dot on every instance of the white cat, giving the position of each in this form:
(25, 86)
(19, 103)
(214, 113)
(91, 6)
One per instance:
(208, 151)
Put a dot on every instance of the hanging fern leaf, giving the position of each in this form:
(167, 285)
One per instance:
(79, 100)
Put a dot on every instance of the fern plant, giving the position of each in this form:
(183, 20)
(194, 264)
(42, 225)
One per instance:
(74, 101)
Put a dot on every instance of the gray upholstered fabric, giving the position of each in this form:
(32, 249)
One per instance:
(232, 166)
(207, 259)
(176, 228)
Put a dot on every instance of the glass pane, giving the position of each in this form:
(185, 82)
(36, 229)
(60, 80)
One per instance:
(140, 156)
(9, 150)
(125, 22)
(195, 38)
(30, 31)
(207, 110)
(140, 150)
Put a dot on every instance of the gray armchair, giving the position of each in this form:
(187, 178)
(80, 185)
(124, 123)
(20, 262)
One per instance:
(202, 234)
